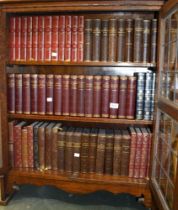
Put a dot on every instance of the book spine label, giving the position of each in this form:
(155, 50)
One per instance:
(108, 166)
(105, 96)
(30, 146)
(54, 40)
(87, 39)
(41, 25)
(146, 41)
(24, 148)
(153, 41)
(61, 37)
(12, 38)
(129, 41)
(57, 94)
(18, 93)
(88, 103)
(61, 150)
(35, 38)
(11, 93)
(74, 36)
(80, 95)
(73, 95)
(68, 36)
(104, 40)
(29, 38)
(41, 94)
(112, 39)
(80, 43)
(120, 40)
(96, 38)
(26, 93)
(49, 93)
(97, 96)
(47, 37)
(65, 95)
(23, 50)
(34, 93)
(18, 26)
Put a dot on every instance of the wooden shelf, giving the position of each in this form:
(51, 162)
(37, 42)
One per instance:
(79, 119)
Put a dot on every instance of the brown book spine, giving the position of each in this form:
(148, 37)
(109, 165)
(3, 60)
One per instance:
(149, 153)
(24, 147)
(18, 26)
(80, 95)
(129, 41)
(153, 40)
(65, 95)
(23, 47)
(120, 40)
(49, 93)
(54, 39)
(74, 37)
(97, 96)
(18, 93)
(122, 97)
(88, 103)
(29, 38)
(96, 39)
(114, 97)
(12, 38)
(80, 43)
(47, 37)
(105, 96)
(112, 39)
(131, 97)
(87, 40)
(61, 38)
(73, 95)
(26, 93)
(11, 125)
(41, 93)
(35, 38)
(34, 93)
(57, 94)
(41, 25)
(146, 41)
(11, 93)
(104, 40)
(68, 36)
(109, 152)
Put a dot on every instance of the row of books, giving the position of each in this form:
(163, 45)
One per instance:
(46, 38)
(82, 95)
(74, 150)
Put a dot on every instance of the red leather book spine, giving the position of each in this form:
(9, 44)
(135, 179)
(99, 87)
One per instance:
(23, 51)
(80, 51)
(148, 153)
(80, 95)
(61, 37)
(57, 94)
(49, 93)
(26, 93)
(29, 38)
(18, 93)
(11, 93)
(47, 37)
(41, 26)
(114, 97)
(65, 95)
(68, 35)
(55, 41)
(97, 96)
(12, 38)
(88, 103)
(35, 38)
(74, 36)
(73, 95)
(41, 94)
(18, 27)
(105, 96)
(34, 93)
(24, 148)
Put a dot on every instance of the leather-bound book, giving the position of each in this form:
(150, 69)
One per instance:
(80, 95)
(92, 150)
(41, 26)
(11, 93)
(105, 96)
(138, 40)
(34, 93)
(18, 93)
(49, 93)
(23, 47)
(29, 38)
(149, 152)
(73, 95)
(114, 97)
(122, 96)
(84, 155)
(131, 97)
(65, 95)
(68, 36)
(88, 104)
(96, 39)
(12, 38)
(125, 154)
(80, 42)
(68, 160)
(97, 95)
(100, 152)
(48, 145)
(34, 38)
(129, 40)
(120, 40)
(41, 94)
(57, 94)
(146, 41)
(54, 39)
(117, 152)
(61, 38)
(47, 37)
(87, 40)
(112, 42)
(18, 28)
(26, 93)
(74, 37)
(104, 40)
(109, 150)
(24, 147)
(54, 146)
(76, 151)
(153, 88)
(154, 26)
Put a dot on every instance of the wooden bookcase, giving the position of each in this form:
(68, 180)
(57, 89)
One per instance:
(86, 183)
